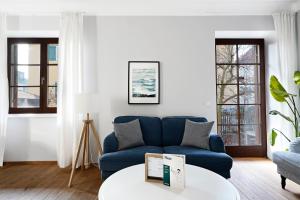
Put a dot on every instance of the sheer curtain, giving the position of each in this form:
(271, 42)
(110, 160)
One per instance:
(69, 84)
(3, 86)
(285, 27)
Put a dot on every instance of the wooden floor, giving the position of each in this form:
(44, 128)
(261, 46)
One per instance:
(255, 179)
(47, 182)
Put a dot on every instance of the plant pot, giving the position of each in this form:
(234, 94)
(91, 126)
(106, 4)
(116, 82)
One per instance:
(295, 145)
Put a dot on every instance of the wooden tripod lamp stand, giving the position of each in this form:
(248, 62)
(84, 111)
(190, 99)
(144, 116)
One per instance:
(86, 103)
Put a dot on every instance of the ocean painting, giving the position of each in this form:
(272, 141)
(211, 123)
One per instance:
(143, 82)
(143, 85)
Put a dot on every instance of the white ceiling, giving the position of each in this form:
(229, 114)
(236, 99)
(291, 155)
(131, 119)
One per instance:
(149, 7)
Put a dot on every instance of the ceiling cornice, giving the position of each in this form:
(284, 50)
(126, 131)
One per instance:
(149, 7)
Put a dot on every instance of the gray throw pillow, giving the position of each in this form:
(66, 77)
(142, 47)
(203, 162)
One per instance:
(196, 134)
(129, 134)
(295, 145)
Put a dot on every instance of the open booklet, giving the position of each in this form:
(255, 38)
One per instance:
(166, 168)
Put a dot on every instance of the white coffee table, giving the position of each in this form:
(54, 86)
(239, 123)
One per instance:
(129, 184)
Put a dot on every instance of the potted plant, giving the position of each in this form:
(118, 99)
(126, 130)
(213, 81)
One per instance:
(280, 94)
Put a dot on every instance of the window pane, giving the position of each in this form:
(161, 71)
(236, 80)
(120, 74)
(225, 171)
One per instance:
(250, 135)
(249, 114)
(23, 75)
(52, 96)
(249, 74)
(249, 94)
(226, 74)
(52, 75)
(25, 54)
(52, 53)
(227, 94)
(229, 135)
(227, 114)
(226, 53)
(248, 53)
(25, 97)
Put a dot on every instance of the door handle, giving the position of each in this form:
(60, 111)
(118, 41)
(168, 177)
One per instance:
(43, 80)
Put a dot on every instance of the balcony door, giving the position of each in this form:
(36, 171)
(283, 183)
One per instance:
(240, 78)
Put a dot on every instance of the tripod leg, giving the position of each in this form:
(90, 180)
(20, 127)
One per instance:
(87, 153)
(77, 155)
(84, 147)
(97, 140)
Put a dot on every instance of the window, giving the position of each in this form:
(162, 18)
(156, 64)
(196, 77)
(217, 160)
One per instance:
(240, 89)
(32, 74)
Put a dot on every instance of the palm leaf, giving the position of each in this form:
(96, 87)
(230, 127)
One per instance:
(297, 77)
(273, 137)
(275, 112)
(277, 90)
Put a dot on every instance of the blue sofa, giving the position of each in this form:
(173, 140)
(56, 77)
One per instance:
(163, 136)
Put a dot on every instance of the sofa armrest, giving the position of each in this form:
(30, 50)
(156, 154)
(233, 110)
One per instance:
(216, 143)
(110, 143)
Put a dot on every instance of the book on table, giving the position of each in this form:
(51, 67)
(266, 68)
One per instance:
(166, 168)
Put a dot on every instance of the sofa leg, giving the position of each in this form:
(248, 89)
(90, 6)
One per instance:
(283, 182)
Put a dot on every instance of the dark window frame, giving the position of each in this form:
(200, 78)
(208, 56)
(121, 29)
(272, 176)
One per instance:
(43, 74)
(256, 150)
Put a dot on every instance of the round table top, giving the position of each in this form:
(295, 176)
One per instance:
(129, 184)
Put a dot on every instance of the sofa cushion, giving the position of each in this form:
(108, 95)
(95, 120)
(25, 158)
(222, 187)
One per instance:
(121, 159)
(196, 134)
(129, 134)
(295, 146)
(217, 162)
(173, 128)
(151, 128)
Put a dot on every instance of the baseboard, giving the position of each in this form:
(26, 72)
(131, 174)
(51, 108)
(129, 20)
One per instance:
(30, 163)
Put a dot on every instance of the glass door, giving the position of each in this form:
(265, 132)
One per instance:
(240, 78)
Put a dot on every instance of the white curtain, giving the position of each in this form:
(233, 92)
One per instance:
(3, 86)
(69, 84)
(285, 27)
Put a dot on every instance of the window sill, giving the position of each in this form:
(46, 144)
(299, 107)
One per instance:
(54, 115)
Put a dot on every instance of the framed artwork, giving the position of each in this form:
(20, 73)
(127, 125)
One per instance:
(143, 82)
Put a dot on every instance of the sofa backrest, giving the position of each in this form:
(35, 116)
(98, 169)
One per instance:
(173, 128)
(151, 128)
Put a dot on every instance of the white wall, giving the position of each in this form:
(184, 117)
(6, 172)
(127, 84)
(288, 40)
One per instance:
(33, 23)
(183, 45)
(185, 48)
(272, 63)
(31, 137)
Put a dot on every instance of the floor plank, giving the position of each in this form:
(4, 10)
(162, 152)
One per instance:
(255, 178)
(47, 182)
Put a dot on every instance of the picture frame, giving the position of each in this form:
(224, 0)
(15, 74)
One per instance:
(143, 82)
(153, 164)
